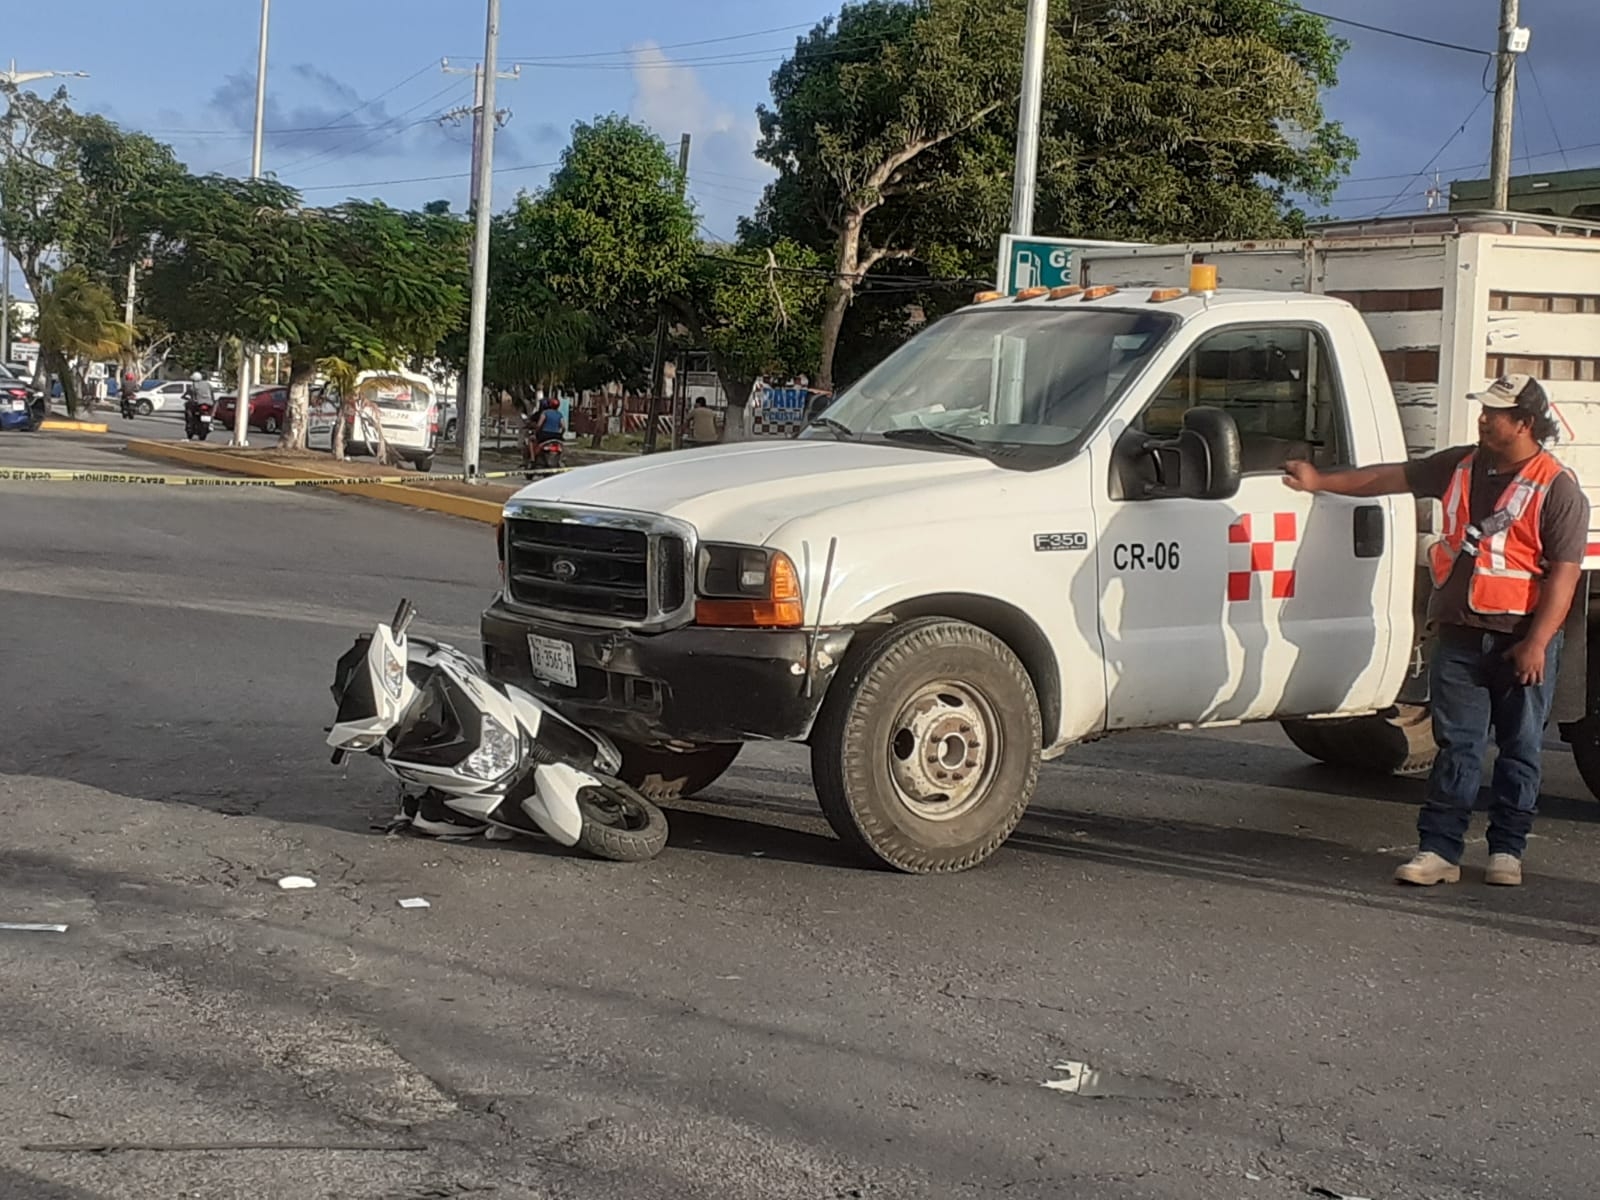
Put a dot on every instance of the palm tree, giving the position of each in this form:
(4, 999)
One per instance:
(78, 321)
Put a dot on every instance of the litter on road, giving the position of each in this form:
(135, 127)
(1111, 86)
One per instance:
(290, 883)
(414, 902)
(24, 927)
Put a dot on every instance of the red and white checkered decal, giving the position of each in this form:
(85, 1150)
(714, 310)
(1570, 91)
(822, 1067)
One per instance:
(1262, 544)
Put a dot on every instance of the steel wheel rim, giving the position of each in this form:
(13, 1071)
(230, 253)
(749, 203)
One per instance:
(613, 809)
(944, 750)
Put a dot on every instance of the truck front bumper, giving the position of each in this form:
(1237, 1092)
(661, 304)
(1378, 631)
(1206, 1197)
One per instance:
(693, 684)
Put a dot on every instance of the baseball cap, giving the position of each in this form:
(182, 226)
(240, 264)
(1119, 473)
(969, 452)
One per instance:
(1513, 391)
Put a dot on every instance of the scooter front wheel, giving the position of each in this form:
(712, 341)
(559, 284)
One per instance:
(619, 824)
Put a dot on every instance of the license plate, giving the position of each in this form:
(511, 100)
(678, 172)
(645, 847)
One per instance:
(19, 406)
(205, 418)
(551, 659)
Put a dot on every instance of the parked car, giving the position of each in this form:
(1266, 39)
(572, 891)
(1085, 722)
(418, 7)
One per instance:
(269, 408)
(22, 406)
(157, 394)
(399, 401)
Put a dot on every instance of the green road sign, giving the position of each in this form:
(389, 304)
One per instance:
(1042, 262)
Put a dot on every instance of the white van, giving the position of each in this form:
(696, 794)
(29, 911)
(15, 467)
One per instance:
(403, 402)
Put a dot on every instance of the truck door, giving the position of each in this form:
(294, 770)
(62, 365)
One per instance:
(1274, 602)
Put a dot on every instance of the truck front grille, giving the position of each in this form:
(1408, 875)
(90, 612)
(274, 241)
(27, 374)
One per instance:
(594, 571)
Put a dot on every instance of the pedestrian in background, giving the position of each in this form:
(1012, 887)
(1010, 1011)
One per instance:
(1516, 529)
(702, 424)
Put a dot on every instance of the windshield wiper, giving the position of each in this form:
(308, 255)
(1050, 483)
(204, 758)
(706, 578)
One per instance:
(923, 433)
(838, 428)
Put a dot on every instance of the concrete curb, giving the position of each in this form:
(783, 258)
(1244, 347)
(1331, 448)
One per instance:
(53, 425)
(486, 512)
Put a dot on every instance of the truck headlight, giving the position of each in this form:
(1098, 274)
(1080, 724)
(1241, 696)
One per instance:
(747, 587)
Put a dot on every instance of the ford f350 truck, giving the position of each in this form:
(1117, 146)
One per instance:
(1043, 519)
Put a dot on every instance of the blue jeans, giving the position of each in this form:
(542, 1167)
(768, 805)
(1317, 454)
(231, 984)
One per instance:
(1473, 689)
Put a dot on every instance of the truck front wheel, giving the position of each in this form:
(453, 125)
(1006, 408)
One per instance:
(661, 775)
(1396, 742)
(926, 751)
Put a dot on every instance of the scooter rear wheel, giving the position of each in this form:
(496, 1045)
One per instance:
(619, 824)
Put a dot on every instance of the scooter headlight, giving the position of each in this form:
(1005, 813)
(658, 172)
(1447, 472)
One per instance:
(496, 753)
(394, 673)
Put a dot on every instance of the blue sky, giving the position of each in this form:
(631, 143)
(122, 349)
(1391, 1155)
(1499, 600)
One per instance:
(355, 87)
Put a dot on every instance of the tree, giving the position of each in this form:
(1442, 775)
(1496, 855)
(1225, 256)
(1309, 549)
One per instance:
(757, 310)
(866, 130)
(73, 187)
(576, 270)
(893, 130)
(1189, 120)
(360, 282)
(77, 321)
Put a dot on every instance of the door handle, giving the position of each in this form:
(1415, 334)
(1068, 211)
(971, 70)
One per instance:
(1369, 527)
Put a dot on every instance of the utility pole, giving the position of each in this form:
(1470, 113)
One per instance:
(476, 112)
(471, 406)
(658, 363)
(1513, 41)
(17, 78)
(1025, 178)
(249, 358)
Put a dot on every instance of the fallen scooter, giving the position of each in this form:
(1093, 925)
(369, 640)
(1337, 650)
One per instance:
(476, 756)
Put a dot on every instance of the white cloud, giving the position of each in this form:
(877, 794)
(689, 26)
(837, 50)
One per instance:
(725, 177)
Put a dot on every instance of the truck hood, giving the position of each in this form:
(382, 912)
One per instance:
(745, 492)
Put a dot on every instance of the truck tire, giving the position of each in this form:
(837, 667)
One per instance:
(1583, 737)
(619, 824)
(1396, 742)
(926, 751)
(663, 776)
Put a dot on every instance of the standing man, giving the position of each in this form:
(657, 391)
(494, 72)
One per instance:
(1516, 527)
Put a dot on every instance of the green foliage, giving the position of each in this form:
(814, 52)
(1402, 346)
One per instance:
(764, 320)
(78, 320)
(360, 282)
(893, 131)
(611, 228)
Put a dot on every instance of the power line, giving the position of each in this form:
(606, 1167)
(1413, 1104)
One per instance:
(734, 37)
(336, 123)
(1548, 115)
(1395, 33)
(1437, 154)
(330, 155)
(370, 183)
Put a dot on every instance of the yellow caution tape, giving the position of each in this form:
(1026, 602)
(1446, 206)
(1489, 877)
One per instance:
(31, 475)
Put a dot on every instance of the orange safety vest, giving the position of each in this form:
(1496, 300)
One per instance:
(1508, 558)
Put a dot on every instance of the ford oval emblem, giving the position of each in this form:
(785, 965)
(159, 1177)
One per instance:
(564, 569)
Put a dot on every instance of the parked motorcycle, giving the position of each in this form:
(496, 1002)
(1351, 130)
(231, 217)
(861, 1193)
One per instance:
(474, 756)
(197, 417)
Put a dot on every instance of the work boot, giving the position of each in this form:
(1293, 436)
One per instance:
(1427, 869)
(1505, 870)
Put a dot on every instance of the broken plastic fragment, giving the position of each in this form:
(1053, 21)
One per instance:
(24, 927)
(414, 902)
(291, 883)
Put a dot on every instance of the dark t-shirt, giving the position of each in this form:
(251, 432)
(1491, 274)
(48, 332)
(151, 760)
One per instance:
(1563, 530)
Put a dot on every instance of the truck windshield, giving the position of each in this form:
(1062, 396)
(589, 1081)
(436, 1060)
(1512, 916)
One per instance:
(1022, 384)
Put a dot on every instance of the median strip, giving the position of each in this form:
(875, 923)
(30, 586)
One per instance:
(486, 511)
(57, 425)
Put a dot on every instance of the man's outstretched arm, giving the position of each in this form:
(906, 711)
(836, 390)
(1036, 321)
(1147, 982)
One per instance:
(1387, 479)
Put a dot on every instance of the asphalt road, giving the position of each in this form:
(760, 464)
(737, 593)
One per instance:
(1206, 919)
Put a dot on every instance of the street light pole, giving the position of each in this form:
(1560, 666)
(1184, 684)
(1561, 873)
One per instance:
(17, 78)
(249, 362)
(483, 178)
(1026, 176)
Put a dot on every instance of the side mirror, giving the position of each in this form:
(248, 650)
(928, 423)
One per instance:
(1203, 462)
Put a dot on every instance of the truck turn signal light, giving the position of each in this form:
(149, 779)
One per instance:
(782, 609)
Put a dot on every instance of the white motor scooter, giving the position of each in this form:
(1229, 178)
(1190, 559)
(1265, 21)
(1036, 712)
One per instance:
(488, 752)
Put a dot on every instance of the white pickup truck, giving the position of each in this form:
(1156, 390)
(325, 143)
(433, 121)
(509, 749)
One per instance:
(1046, 518)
